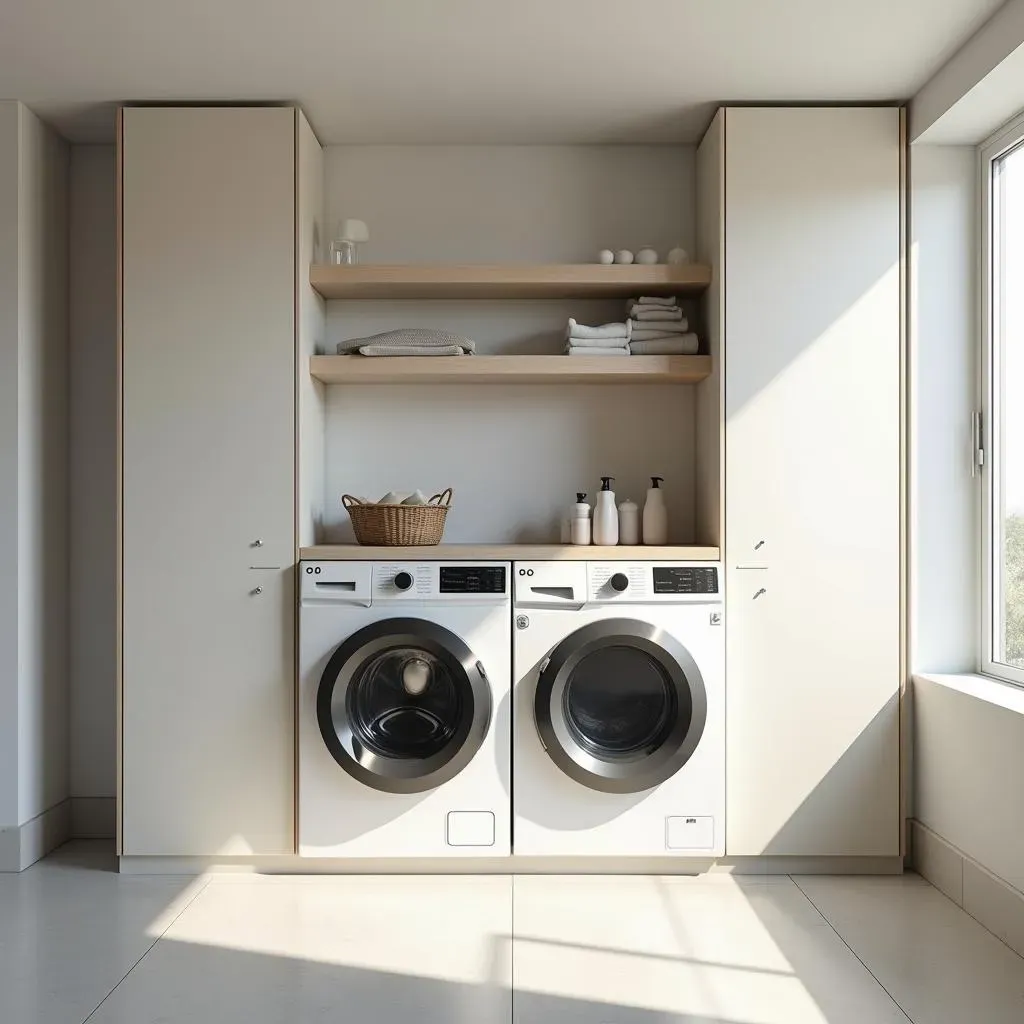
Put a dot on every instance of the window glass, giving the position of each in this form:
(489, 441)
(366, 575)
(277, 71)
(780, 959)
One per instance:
(1006, 419)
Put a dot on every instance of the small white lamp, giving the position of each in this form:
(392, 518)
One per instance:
(350, 234)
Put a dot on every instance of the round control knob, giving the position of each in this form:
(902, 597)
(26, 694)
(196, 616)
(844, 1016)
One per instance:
(403, 580)
(619, 582)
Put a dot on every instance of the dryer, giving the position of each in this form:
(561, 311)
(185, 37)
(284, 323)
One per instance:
(404, 709)
(618, 709)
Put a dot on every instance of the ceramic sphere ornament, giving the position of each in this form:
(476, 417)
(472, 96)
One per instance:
(606, 256)
(623, 256)
(647, 256)
(677, 256)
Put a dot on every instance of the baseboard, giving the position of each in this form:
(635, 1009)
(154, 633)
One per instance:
(22, 845)
(93, 817)
(989, 899)
(751, 868)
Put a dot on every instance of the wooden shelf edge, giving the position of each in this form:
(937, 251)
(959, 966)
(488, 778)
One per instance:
(511, 553)
(505, 281)
(553, 369)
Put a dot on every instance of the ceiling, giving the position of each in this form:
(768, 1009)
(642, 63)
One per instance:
(464, 71)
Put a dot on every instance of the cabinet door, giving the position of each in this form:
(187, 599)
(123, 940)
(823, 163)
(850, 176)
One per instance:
(208, 378)
(813, 411)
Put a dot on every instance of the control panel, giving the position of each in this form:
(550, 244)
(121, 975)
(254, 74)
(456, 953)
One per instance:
(569, 584)
(366, 583)
(685, 579)
(473, 579)
(440, 581)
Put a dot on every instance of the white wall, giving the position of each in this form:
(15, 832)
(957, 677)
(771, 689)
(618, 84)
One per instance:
(514, 455)
(479, 204)
(33, 284)
(944, 518)
(93, 412)
(507, 204)
(969, 760)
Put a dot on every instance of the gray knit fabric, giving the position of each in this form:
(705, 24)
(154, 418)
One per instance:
(423, 338)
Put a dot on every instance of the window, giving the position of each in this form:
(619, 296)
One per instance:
(1002, 422)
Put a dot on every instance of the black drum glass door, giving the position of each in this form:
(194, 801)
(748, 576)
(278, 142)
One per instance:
(620, 706)
(403, 705)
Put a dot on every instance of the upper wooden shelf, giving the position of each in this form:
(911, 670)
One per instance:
(510, 369)
(506, 281)
(511, 552)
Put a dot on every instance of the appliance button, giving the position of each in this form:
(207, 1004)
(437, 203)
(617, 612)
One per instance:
(403, 581)
(619, 582)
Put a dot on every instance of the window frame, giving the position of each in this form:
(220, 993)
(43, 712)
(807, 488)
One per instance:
(1006, 139)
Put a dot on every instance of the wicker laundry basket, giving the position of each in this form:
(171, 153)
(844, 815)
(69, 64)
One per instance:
(399, 525)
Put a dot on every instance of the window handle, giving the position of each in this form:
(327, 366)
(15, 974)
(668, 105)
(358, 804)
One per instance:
(977, 444)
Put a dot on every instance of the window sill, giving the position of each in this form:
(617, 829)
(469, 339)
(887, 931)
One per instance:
(984, 688)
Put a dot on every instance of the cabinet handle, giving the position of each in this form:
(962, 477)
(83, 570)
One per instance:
(752, 567)
(258, 542)
(257, 591)
(759, 593)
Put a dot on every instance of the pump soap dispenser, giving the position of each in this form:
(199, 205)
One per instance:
(655, 514)
(606, 515)
(580, 533)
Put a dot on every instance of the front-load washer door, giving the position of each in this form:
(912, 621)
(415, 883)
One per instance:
(403, 705)
(620, 706)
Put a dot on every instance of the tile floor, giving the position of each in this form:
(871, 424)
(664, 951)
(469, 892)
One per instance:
(79, 942)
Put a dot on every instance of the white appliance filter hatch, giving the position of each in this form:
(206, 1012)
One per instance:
(470, 828)
(689, 833)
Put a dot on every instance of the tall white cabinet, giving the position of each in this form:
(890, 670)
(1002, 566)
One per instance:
(801, 218)
(208, 530)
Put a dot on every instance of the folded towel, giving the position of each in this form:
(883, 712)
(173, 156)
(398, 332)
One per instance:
(575, 350)
(413, 350)
(647, 329)
(416, 337)
(617, 330)
(657, 300)
(680, 345)
(622, 342)
(645, 313)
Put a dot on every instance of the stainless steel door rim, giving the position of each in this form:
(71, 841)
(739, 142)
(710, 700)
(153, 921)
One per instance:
(417, 644)
(645, 756)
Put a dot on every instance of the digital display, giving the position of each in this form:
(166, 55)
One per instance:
(470, 579)
(685, 580)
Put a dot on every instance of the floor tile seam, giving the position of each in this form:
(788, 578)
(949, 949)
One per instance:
(149, 949)
(512, 951)
(856, 955)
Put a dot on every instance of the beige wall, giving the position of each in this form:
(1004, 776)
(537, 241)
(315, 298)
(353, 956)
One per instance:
(33, 464)
(944, 520)
(9, 348)
(93, 420)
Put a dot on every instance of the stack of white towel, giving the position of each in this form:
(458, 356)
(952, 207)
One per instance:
(606, 340)
(657, 327)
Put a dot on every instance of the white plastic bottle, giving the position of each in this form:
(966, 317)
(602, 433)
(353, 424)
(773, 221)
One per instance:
(580, 533)
(606, 515)
(629, 522)
(655, 514)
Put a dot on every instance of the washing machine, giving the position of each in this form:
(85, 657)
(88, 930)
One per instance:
(404, 730)
(619, 709)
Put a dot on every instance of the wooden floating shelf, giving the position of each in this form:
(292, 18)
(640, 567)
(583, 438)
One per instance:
(510, 369)
(510, 553)
(506, 281)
